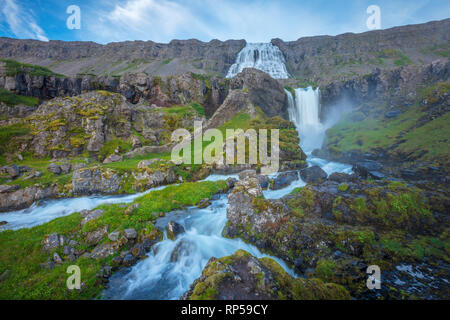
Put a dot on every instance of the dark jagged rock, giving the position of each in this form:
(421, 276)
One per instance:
(313, 174)
(174, 229)
(368, 168)
(283, 179)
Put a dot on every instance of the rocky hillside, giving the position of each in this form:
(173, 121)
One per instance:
(327, 58)
(319, 58)
(176, 57)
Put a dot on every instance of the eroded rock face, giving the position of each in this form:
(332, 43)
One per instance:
(395, 87)
(246, 207)
(244, 277)
(96, 180)
(322, 57)
(179, 55)
(249, 89)
(23, 198)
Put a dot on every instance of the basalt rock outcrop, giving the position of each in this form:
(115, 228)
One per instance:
(179, 89)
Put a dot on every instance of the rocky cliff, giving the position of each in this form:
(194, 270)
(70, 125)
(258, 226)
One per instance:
(397, 86)
(179, 89)
(327, 58)
(178, 56)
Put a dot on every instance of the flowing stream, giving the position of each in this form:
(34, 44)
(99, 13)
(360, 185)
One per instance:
(172, 266)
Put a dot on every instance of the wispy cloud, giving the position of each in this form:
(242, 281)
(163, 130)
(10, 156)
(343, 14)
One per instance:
(21, 21)
(157, 20)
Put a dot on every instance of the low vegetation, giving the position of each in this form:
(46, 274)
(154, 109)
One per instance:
(21, 253)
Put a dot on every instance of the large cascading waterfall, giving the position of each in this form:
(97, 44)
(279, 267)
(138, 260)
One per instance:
(304, 112)
(263, 56)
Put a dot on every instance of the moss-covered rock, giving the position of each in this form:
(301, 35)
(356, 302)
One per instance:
(244, 277)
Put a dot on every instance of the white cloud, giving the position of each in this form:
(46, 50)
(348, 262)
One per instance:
(255, 21)
(164, 20)
(156, 20)
(21, 22)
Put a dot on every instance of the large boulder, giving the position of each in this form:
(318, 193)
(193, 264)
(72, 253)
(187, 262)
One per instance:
(174, 229)
(96, 180)
(313, 174)
(244, 277)
(264, 91)
(25, 197)
(283, 179)
(368, 168)
(250, 89)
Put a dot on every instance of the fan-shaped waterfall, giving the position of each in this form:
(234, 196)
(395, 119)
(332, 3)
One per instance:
(263, 56)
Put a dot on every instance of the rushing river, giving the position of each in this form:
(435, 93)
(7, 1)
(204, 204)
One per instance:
(172, 266)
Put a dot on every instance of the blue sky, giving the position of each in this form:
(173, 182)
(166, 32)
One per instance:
(106, 21)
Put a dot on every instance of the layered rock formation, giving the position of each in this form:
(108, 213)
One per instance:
(176, 57)
(328, 58)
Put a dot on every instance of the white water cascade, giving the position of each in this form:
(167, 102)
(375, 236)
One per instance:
(263, 56)
(304, 111)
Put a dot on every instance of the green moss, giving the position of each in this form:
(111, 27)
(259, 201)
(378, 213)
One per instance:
(286, 287)
(302, 201)
(343, 187)
(325, 269)
(14, 67)
(8, 135)
(12, 99)
(111, 146)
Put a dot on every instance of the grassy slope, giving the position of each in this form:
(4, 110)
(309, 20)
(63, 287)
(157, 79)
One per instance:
(21, 251)
(403, 136)
(12, 99)
(14, 67)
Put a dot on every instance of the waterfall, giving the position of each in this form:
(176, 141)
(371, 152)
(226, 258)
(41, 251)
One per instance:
(263, 56)
(304, 112)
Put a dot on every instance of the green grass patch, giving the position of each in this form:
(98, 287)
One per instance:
(12, 99)
(21, 250)
(14, 67)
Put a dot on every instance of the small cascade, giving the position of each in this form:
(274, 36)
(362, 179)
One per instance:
(263, 56)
